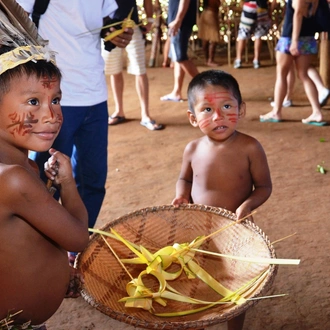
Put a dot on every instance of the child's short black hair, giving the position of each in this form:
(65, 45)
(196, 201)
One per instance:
(40, 68)
(216, 78)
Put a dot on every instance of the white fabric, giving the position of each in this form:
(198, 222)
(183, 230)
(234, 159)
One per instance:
(79, 56)
(135, 56)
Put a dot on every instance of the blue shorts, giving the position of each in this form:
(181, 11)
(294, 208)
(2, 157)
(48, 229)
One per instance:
(306, 45)
(179, 45)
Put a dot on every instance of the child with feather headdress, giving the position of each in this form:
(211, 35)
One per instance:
(36, 230)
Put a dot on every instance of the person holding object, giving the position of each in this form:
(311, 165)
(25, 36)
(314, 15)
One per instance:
(224, 168)
(36, 230)
(73, 30)
(136, 65)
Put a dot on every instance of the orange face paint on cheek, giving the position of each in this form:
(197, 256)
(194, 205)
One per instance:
(21, 124)
(204, 123)
(232, 117)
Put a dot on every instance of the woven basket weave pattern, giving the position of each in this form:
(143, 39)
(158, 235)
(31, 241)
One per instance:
(157, 227)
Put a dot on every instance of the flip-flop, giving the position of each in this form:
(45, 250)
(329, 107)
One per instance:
(168, 97)
(116, 120)
(150, 125)
(315, 123)
(270, 120)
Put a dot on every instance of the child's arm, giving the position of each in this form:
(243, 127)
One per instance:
(261, 180)
(28, 199)
(58, 168)
(184, 183)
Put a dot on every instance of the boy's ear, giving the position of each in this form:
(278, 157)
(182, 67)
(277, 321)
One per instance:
(192, 118)
(242, 110)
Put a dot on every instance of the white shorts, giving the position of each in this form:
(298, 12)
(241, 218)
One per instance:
(136, 56)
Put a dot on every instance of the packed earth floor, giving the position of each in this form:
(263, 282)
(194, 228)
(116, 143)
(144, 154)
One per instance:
(144, 166)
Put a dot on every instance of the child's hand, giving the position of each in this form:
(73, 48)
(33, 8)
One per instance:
(242, 212)
(177, 201)
(58, 168)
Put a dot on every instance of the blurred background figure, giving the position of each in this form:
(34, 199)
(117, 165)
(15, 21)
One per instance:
(208, 30)
(255, 21)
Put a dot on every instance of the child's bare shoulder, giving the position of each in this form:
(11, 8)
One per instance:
(16, 179)
(192, 145)
(247, 140)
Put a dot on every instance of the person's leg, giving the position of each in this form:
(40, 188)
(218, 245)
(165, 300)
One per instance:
(283, 64)
(246, 24)
(240, 45)
(189, 68)
(257, 51)
(205, 48)
(166, 50)
(113, 67)
(137, 66)
(212, 47)
(303, 63)
(142, 89)
(323, 92)
(262, 26)
(236, 323)
(182, 65)
(291, 80)
(117, 87)
(89, 159)
(179, 75)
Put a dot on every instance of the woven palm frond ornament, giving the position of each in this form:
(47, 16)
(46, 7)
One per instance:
(19, 38)
(120, 258)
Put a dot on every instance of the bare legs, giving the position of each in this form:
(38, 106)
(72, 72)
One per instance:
(257, 49)
(142, 89)
(166, 51)
(209, 52)
(180, 69)
(303, 63)
(284, 65)
(241, 44)
(117, 86)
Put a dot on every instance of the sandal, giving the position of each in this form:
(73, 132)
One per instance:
(116, 120)
(152, 125)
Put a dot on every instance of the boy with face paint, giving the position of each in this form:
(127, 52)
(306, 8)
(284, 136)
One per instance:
(36, 230)
(224, 168)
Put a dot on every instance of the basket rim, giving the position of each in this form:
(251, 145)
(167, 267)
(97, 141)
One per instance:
(165, 323)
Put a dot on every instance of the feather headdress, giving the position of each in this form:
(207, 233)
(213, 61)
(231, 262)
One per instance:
(19, 38)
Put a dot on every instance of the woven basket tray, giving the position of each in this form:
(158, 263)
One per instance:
(157, 227)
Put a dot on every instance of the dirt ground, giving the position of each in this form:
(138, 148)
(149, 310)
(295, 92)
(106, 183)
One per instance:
(144, 166)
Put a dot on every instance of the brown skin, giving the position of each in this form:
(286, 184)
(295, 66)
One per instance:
(36, 230)
(224, 168)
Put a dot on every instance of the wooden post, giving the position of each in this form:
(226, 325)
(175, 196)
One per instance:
(324, 59)
(156, 39)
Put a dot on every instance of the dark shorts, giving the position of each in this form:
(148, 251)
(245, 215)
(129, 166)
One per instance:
(179, 45)
(306, 45)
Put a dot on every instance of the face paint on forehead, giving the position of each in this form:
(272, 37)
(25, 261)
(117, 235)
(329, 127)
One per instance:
(48, 82)
(211, 97)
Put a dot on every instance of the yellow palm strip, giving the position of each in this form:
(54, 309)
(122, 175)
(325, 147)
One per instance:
(272, 261)
(182, 254)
